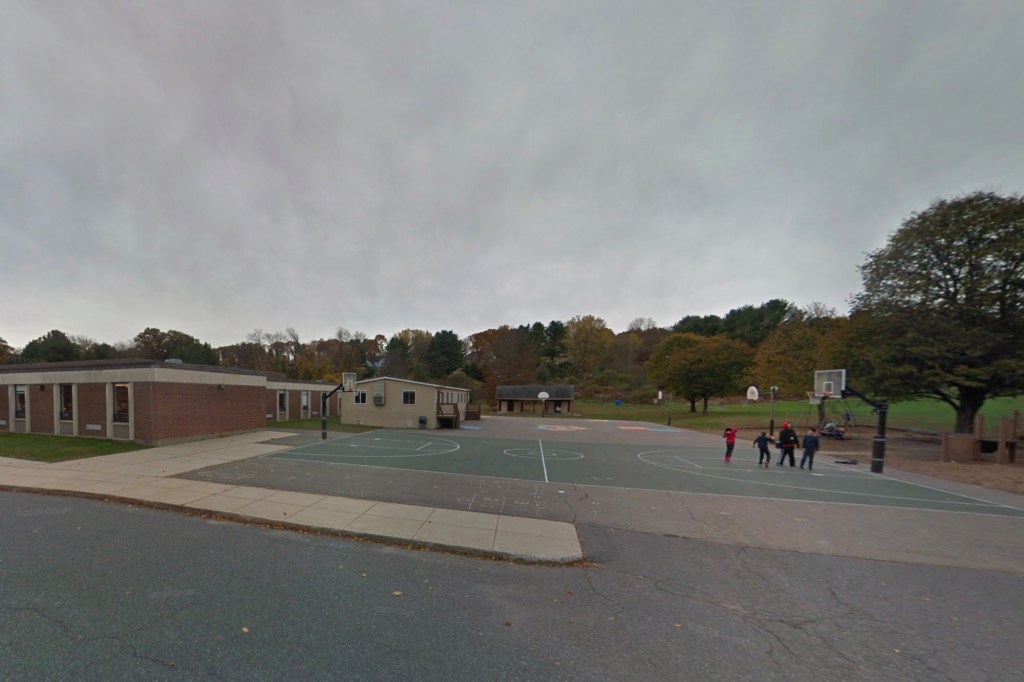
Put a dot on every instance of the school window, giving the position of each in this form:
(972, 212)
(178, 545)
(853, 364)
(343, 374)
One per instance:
(408, 397)
(67, 402)
(282, 401)
(305, 401)
(120, 403)
(360, 397)
(19, 402)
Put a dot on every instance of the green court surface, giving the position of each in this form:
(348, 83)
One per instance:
(685, 468)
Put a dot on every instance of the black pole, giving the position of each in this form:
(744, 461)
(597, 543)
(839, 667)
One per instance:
(323, 410)
(323, 415)
(878, 448)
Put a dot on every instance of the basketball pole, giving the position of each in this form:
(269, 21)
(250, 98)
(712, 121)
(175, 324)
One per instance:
(878, 446)
(323, 408)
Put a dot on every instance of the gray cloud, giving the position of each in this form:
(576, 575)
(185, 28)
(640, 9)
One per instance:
(214, 167)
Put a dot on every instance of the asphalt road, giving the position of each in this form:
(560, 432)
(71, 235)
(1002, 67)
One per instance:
(93, 591)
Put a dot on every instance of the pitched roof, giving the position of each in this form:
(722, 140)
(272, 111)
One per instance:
(410, 381)
(531, 391)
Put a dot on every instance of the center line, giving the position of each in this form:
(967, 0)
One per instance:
(542, 460)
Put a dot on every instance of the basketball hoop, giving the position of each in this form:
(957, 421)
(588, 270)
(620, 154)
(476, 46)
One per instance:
(816, 397)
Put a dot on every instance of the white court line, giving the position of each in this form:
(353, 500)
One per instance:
(542, 463)
(843, 492)
(688, 462)
(788, 500)
(387, 447)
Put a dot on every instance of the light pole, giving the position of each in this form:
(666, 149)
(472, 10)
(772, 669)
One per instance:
(771, 424)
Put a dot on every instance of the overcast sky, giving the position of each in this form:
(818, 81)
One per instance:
(216, 167)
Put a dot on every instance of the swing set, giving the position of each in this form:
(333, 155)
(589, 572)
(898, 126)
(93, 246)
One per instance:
(833, 416)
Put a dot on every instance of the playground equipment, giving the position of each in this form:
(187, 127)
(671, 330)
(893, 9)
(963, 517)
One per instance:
(1007, 439)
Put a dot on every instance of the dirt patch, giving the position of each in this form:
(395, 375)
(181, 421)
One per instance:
(917, 453)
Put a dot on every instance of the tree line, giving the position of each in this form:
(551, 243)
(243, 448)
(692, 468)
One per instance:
(939, 316)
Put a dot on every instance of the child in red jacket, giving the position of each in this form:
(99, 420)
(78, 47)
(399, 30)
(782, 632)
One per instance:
(730, 442)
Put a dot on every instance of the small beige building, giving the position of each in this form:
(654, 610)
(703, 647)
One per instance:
(405, 404)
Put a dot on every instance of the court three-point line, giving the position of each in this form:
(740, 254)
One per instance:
(542, 463)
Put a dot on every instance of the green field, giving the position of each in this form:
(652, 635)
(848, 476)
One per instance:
(918, 415)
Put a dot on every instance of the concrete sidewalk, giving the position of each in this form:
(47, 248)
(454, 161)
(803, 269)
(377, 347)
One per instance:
(146, 477)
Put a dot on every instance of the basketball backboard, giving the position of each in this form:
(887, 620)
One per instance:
(348, 381)
(830, 383)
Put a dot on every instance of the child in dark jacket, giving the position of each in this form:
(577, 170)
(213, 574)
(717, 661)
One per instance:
(764, 456)
(810, 445)
(788, 440)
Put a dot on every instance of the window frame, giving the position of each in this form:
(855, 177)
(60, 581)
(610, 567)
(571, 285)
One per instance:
(359, 397)
(66, 393)
(120, 417)
(407, 394)
(22, 391)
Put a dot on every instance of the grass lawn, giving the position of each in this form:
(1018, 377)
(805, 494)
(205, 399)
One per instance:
(923, 415)
(314, 424)
(41, 448)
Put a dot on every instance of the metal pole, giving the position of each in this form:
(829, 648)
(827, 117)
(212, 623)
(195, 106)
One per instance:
(878, 447)
(323, 415)
(771, 424)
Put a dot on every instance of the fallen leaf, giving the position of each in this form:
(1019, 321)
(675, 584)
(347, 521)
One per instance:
(397, 593)
(245, 630)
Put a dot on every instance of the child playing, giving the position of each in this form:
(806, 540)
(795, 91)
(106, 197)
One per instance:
(788, 440)
(810, 445)
(764, 457)
(730, 442)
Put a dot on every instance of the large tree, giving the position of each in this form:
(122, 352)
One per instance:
(790, 354)
(703, 325)
(6, 351)
(396, 357)
(54, 346)
(941, 313)
(588, 342)
(752, 324)
(153, 344)
(445, 354)
(503, 356)
(701, 367)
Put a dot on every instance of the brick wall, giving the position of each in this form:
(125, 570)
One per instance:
(5, 409)
(142, 411)
(186, 411)
(92, 409)
(40, 408)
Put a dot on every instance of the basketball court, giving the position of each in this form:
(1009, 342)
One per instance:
(628, 456)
